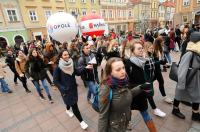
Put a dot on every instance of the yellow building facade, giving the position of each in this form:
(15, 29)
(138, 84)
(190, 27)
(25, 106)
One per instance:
(35, 14)
(187, 11)
(79, 8)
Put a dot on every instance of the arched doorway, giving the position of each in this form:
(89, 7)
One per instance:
(18, 39)
(197, 17)
(3, 43)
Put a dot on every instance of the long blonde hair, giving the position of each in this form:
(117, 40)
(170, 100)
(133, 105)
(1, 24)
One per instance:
(111, 45)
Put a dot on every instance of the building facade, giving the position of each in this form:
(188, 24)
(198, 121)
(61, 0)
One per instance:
(142, 15)
(118, 14)
(12, 29)
(79, 8)
(187, 11)
(35, 14)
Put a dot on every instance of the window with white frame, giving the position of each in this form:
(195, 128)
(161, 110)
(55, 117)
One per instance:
(83, 1)
(121, 14)
(186, 2)
(198, 1)
(110, 14)
(72, 0)
(84, 12)
(33, 15)
(47, 13)
(103, 13)
(124, 13)
(12, 15)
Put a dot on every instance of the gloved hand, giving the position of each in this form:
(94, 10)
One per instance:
(163, 61)
(146, 87)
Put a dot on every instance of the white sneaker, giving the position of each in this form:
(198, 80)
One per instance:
(71, 114)
(159, 113)
(83, 125)
(168, 100)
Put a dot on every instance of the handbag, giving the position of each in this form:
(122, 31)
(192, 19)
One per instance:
(173, 74)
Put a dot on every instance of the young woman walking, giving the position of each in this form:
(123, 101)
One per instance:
(64, 79)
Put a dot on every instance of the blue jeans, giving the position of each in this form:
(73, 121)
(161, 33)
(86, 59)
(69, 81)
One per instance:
(4, 85)
(37, 86)
(91, 88)
(168, 57)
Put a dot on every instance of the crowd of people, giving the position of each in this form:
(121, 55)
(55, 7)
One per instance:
(129, 65)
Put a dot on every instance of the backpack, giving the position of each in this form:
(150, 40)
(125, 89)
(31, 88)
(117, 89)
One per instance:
(95, 103)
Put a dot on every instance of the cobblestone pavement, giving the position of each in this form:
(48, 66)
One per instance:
(22, 112)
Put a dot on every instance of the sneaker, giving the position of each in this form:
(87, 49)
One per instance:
(168, 100)
(159, 113)
(42, 98)
(83, 125)
(28, 91)
(71, 114)
(52, 84)
(10, 91)
(51, 101)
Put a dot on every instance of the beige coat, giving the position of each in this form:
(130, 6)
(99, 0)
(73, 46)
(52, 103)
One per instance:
(2, 70)
(20, 68)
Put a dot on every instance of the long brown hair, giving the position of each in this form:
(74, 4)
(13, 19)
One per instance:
(158, 46)
(108, 68)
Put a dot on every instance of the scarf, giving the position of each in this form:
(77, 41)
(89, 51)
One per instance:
(66, 66)
(111, 83)
(139, 61)
(194, 47)
(114, 83)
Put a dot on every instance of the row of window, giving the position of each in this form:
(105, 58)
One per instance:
(13, 14)
(116, 14)
(187, 2)
(82, 1)
(114, 1)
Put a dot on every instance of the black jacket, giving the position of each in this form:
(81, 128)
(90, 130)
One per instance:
(67, 86)
(36, 69)
(10, 60)
(136, 77)
(87, 74)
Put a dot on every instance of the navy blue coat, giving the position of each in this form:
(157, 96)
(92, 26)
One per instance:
(67, 86)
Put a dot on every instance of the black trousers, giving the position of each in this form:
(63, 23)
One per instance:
(195, 106)
(151, 102)
(24, 82)
(159, 78)
(76, 111)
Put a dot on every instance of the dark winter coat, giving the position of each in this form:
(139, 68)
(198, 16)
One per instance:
(67, 86)
(112, 54)
(87, 74)
(10, 60)
(136, 77)
(115, 115)
(166, 44)
(36, 69)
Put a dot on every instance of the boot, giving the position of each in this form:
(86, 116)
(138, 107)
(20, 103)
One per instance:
(50, 99)
(177, 113)
(195, 116)
(151, 126)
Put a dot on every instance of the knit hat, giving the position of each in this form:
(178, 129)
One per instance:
(195, 37)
